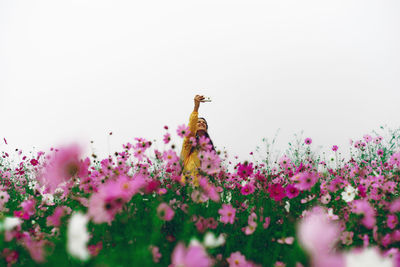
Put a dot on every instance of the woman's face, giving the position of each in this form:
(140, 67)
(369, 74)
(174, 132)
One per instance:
(201, 125)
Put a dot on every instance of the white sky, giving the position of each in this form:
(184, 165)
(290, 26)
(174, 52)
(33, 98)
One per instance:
(75, 70)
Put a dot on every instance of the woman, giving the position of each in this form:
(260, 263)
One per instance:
(189, 155)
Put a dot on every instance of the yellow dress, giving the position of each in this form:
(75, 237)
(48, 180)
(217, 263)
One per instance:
(191, 162)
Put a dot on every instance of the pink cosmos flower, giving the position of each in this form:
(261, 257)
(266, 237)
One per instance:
(29, 207)
(379, 152)
(247, 189)
(276, 192)
(347, 238)
(209, 189)
(284, 161)
(267, 222)
(183, 131)
(170, 156)
(35, 248)
(63, 165)
(318, 235)
(236, 259)
(34, 162)
(165, 212)
(227, 213)
(335, 148)
(155, 251)
(204, 143)
(4, 197)
(11, 256)
(210, 162)
(252, 224)
(94, 250)
(395, 206)
(291, 191)
(378, 140)
(363, 207)
(167, 138)
(245, 170)
(392, 221)
(367, 138)
(308, 141)
(55, 219)
(395, 159)
(305, 180)
(193, 256)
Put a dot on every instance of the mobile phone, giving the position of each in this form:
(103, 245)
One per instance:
(207, 99)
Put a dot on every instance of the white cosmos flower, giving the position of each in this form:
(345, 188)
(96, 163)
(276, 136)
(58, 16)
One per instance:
(78, 236)
(211, 242)
(10, 223)
(287, 206)
(194, 242)
(349, 193)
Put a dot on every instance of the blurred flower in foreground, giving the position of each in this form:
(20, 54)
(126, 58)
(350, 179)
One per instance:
(193, 256)
(63, 165)
(78, 236)
(369, 257)
(318, 236)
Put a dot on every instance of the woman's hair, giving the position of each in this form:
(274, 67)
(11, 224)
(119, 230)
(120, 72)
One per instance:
(206, 134)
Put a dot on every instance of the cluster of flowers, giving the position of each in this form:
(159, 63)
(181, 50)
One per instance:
(60, 208)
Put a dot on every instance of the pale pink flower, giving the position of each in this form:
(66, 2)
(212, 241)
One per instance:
(347, 238)
(183, 130)
(236, 259)
(318, 235)
(165, 212)
(210, 162)
(63, 165)
(227, 213)
(193, 256)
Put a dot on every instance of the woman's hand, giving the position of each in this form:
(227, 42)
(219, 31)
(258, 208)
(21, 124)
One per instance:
(197, 100)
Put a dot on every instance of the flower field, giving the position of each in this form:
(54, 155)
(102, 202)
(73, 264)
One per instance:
(59, 208)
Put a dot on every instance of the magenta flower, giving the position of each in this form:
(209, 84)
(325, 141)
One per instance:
(379, 152)
(276, 192)
(308, 141)
(183, 131)
(29, 207)
(34, 162)
(165, 212)
(291, 191)
(245, 170)
(227, 213)
(193, 256)
(335, 148)
(247, 189)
